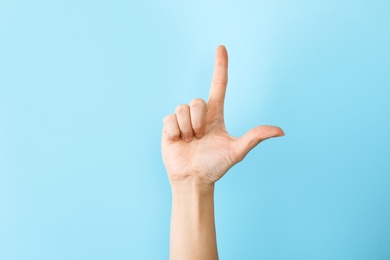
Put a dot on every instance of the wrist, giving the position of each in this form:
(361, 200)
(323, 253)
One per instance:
(192, 186)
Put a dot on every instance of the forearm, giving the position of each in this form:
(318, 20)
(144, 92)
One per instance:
(192, 222)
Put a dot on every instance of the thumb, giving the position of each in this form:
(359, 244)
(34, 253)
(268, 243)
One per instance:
(253, 137)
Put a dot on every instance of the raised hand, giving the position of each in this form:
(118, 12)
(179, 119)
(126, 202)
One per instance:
(195, 143)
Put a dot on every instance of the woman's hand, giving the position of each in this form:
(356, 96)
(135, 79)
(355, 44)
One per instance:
(195, 143)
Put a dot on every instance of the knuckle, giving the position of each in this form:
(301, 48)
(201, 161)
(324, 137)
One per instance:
(219, 81)
(197, 102)
(168, 118)
(236, 156)
(181, 108)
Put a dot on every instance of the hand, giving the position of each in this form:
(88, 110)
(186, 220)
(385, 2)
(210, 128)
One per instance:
(195, 143)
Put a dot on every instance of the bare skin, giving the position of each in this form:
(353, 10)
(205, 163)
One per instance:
(197, 151)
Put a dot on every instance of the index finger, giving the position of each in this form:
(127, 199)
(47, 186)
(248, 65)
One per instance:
(219, 80)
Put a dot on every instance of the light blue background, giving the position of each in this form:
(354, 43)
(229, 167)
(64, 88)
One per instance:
(84, 86)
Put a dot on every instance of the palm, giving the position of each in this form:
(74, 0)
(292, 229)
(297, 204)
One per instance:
(195, 142)
(208, 157)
